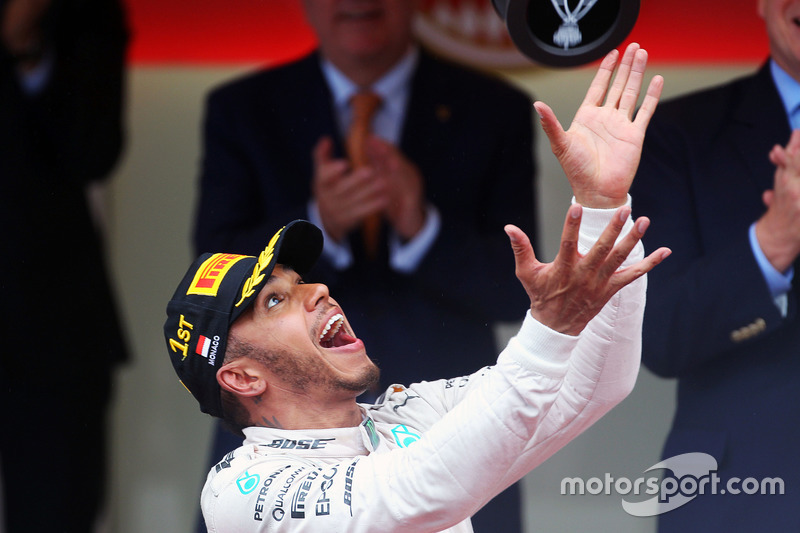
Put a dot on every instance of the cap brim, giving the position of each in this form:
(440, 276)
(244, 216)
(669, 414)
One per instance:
(300, 246)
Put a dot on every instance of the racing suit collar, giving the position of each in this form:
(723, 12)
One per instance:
(336, 442)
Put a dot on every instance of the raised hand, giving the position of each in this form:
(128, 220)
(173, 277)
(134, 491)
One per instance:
(567, 293)
(601, 150)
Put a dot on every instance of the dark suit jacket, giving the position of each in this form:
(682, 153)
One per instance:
(710, 320)
(470, 136)
(59, 322)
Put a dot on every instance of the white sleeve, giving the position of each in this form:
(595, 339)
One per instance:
(604, 365)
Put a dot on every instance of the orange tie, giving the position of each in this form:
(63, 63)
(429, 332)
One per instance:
(363, 105)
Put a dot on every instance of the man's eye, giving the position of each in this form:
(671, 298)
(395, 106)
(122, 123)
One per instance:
(273, 301)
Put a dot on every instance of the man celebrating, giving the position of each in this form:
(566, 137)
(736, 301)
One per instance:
(277, 360)
(400, 157)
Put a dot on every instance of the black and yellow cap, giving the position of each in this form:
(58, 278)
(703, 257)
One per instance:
(215, 291)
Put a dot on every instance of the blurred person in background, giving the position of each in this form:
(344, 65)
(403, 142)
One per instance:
(722, 313)
(61, 110)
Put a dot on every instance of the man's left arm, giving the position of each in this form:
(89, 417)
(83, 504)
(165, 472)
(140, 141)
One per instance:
(599, 153)
(604, 364)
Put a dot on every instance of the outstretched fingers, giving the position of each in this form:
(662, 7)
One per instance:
(623, 93)
(633, 83)
(568, 250)
(623, 248)
(607, 255)
(567, 293)
(599, 86)
(622, 79)
(649, 103)
(622, 277)
(629, 274)
(551, 127)
(524, 256)
(597, 258)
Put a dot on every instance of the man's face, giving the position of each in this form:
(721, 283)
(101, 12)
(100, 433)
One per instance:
(782, 19)
(363, 30)
(306, 341)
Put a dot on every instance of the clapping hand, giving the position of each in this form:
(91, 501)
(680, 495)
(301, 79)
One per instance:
(778, 230)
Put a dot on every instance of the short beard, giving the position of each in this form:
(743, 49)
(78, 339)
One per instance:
(300, 373)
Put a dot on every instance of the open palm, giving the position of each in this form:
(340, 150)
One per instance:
(600, 152)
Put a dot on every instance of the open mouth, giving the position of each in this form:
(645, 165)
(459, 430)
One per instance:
(333, 335)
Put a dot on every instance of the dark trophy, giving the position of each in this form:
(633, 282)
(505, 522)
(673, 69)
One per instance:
(567, 33)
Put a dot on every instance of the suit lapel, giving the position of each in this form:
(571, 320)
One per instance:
(430, 110)
(308, 109)
(759, 122)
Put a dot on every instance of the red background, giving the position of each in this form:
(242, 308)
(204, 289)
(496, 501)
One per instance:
(268, 31)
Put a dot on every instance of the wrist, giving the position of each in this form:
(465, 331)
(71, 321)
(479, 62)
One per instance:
(780, 253)
(599, 201)
(411, 225)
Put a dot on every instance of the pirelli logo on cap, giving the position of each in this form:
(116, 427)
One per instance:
(209, 276)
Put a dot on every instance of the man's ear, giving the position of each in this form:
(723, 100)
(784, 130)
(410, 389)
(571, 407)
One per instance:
(243, 377)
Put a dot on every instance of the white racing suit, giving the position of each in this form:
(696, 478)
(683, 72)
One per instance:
(428, 456)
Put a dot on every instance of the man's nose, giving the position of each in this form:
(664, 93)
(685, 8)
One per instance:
(316, 293)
